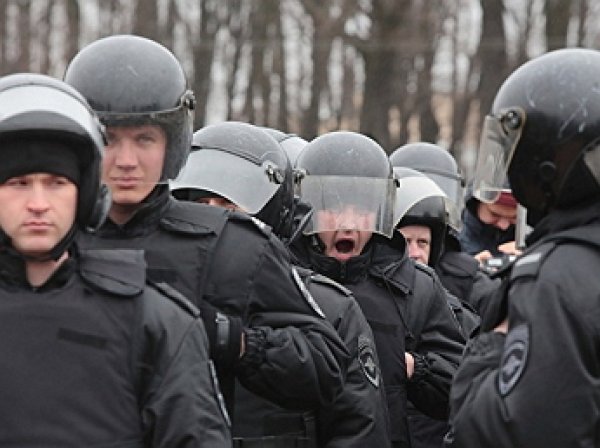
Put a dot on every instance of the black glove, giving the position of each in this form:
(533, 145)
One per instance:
(224, 336)
(495, 309)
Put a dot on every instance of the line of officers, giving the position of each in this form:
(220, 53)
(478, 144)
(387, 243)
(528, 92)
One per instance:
(239, 286)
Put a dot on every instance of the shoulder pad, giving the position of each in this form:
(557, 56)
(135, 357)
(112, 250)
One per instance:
(306, 293)
(176, 297)
(265, 229)
(193, 219)
(117, 271)
(323, 280)
(529, 264)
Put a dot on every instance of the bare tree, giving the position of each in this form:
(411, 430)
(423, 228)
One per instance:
(491, 56)
(203, 49)
(381, 55)
(427, 32)
(327, 24)
(3, 38)
(237, 26)
(558, 15)
(145, 22)
(74, 28)
(23, 58)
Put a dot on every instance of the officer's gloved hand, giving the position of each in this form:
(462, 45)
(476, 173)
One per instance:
(494, 309)
(224, 335)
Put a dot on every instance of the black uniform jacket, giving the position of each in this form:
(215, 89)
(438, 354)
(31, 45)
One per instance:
(460, 274)
(406, 307)
(358, 417)
(293, 356)
(95, 357)
(538, 386)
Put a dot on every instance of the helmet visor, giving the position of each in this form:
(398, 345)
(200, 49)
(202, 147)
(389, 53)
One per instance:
(453, 187)
(30, 108)
(413, 190)
(349, 203)
(499, 138)
(244, 183)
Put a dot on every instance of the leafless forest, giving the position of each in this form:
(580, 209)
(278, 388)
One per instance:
(397, 70)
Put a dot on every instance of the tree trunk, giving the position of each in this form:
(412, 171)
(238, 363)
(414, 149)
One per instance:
(558, 15)
(203, 51)
(491, 55)
(74, 25)
(145, 21)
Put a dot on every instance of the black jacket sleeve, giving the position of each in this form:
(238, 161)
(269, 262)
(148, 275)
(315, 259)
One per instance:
(538, 385)
(293, 357)
(179, 398)
(436, 344)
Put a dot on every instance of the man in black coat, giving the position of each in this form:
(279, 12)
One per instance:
(93, 355)
(347, 179)
(358, 416)
(530, 379)
(266, 334)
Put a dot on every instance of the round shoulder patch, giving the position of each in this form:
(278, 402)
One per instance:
(366, 358)
(514, 358)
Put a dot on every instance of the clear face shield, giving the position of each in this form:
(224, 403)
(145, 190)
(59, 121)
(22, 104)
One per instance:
(499, 138)
(454, 189)
(349, 203)
(413, 190)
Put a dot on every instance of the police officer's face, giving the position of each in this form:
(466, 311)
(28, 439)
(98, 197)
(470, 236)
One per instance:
(347, 237)
(133, 162)
(418, 242)
(37, 211)
(218, 201)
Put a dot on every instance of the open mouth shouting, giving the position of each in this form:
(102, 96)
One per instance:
(344, 245)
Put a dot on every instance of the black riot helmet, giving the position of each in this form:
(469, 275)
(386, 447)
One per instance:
(130, 80)
(47, 126)
(243, 164)
(543, 132)
(291, 143)
(344, 169)
(439, 165)
(420, 201)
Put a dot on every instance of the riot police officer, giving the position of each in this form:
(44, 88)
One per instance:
(92, 355)
(458, 271)
(530, 379)
(422, 216)
(266, 334)
(357, 417)
(348, 180)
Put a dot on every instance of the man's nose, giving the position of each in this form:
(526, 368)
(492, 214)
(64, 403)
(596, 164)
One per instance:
(38, 201)
(414, 251)
(126, 154)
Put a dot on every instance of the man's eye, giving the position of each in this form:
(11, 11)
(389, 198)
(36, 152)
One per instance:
(145, 139)
(16, 182)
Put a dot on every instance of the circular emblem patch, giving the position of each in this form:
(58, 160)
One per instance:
(366, 358)
(514, 358)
